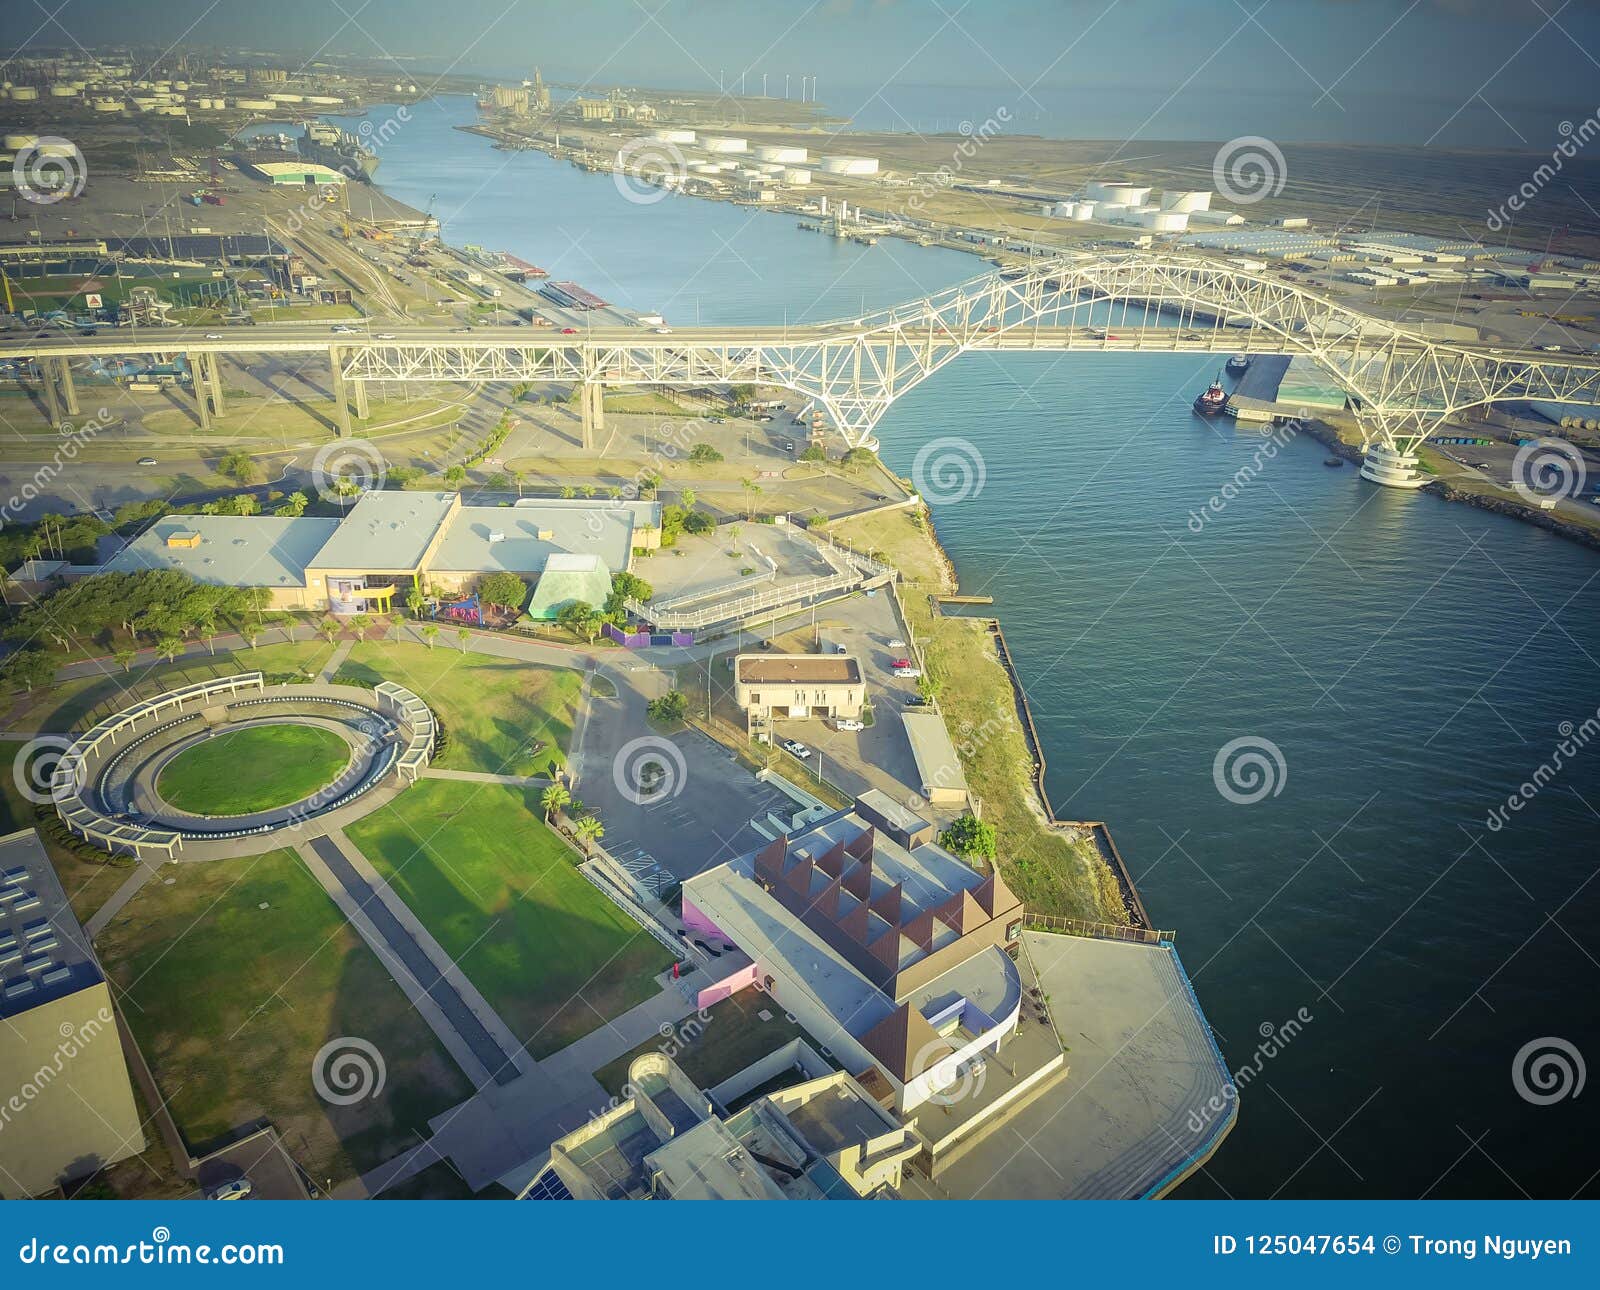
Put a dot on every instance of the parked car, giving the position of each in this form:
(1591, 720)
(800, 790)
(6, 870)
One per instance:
(899, 663)
(795, 748)
(849, 723)
(147, 461)
(233, 1189)
(910, 672)
(765, 416)
(895, 643)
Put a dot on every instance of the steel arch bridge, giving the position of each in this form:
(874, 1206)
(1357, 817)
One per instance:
(1400, 382)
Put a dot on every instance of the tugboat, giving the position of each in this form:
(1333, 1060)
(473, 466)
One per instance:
(1238, 365)
(1211, 402)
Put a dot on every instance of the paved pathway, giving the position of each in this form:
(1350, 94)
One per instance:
(479, 1041)
(335, 661)
(656, 1017)
(142, 873)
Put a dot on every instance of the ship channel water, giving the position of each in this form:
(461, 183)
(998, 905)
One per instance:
(1413, 661)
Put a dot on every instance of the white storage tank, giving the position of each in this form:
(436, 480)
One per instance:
(841, 165)
(1186, 201)
(672, 136)
(324, 100)
(725, 144)
(1061, 210)
(1083, 211)
(255, 105)
(107, 105)
(777, 152)
(1165, 221)
(797, 176)
(1116, 190)
(19, 142)
(287, 98)
(63, 92)
(24, 93)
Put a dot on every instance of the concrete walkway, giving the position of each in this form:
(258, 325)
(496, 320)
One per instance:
(481, 1043)
(142, 873)
(330, 669)
(652, 1019)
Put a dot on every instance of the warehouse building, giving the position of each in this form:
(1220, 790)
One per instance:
(69, 1108)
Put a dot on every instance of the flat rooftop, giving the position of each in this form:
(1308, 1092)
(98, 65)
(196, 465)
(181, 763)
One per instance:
(519, 539)
(44, 954)
(233, 550)
(937, 763)
(386, 532)
(797, 669)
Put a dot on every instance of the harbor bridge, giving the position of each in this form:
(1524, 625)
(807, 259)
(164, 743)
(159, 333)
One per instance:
(1400, 382)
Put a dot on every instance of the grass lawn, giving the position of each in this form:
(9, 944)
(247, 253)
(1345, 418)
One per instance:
(500, 892)
(255, 769)
(234, 976)
(733, 1036)
(500, 715)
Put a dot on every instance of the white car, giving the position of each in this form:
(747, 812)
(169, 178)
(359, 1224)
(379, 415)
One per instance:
(213, 335)
(795, 748)
(848, 724)
(386, 335)
(342, 330)
(147, 461)
(233, 1189)
(896, 643)
(663, 331)
(910, 672)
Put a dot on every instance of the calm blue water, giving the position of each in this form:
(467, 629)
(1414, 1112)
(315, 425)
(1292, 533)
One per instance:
(1411, 660)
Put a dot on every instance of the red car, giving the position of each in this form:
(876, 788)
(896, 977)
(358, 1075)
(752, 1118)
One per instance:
(900, 662)
(569, 331)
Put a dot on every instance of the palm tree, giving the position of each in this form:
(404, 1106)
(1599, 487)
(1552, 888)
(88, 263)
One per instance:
(330, 628)
(359, 625)
(687, 499)
(589, 829)
(414, 601)
(553, 799)
(430, 633)
(463, 635)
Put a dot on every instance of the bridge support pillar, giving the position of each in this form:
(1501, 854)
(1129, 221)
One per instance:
(199, 386)
(69, 391)
(360, 389)
(214, 371)
(52, 395)
(341, 400)
(1392, 467)
(592, 406)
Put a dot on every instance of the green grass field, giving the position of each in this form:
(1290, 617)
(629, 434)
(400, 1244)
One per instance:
(500, 715)
(254, 769)
(234, 976)
(500, 892)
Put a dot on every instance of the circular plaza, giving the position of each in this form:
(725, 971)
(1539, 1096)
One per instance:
(222, 767)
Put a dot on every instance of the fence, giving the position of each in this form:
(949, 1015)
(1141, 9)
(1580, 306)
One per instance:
(1098, 931)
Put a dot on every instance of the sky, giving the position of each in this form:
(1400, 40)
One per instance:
(1498, 72)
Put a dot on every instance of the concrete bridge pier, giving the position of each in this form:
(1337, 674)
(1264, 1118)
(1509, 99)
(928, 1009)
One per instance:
(1391, 451)
(214, 370)
(60, 393)
(341, 400)
(592, 405)
(206, 383)
(359, 388)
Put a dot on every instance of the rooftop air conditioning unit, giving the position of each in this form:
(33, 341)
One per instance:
(497, 537)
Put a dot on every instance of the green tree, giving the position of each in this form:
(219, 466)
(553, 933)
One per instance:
(126, 658)
(671, 707)
(456, 475)
(553, 799)
(294, 505)
(29, 668)
(330, 628)
(814, 452)
(505, 589)
(463, 635)
(970, 837)
(588, 830)
(415, 600)
(240, 467)
(704, 454)
(687, 499)
(360, 624)
(430, 634)
(578, 616)
(168, 648)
